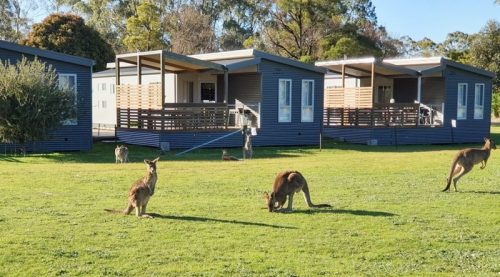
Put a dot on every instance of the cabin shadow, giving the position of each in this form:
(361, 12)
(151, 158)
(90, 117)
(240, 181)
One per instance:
(207, 219)
(345, 211)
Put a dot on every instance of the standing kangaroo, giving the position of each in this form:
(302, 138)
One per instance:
(287, 184)
(141, 191)
(121, 154)
(466, 159)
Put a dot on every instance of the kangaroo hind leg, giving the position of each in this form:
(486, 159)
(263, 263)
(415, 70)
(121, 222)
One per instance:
(464, 169)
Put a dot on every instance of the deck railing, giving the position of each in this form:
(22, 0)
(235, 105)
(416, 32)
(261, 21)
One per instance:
(379, 116)
(176, 117)
(360, 97)
(148, 96)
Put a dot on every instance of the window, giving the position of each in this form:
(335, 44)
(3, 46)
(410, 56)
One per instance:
(207, 92)
(479, 101)
(104, 104)
(285, 100)
(384, 94)
(307, 101)
(103, 87)
(462, 101)
(68, 81)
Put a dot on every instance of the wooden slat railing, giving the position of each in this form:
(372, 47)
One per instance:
(358, 97)
(139, 96)
(175, 117)
(382, 115)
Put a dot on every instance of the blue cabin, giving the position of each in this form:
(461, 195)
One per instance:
(169, 100)
(406, 101)
(76, 133)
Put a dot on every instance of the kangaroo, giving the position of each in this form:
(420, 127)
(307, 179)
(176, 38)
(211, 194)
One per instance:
(287, 183)
(141, 191)
(121, 154)
(466, 159)
(227, 157)
(247, 148)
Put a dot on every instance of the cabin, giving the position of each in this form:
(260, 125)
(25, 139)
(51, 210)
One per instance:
(406, 101)
(76, 133)
(167, 100)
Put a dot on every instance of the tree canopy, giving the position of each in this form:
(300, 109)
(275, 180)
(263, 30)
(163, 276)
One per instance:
(67, 33)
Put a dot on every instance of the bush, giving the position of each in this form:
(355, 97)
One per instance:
(495, 102)
(31, 102)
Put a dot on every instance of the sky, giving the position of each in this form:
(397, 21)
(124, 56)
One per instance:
(434, 18)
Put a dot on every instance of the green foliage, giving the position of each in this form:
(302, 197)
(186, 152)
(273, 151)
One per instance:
(388, 218)
(144, 29)
(495, 102)
(31, 102)
(485, 49)
(67, 33)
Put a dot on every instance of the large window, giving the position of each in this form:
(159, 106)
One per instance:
(479, 101)
(285, 100)
(307, 101)
(68, 81)
(208, 92)
(462, 101)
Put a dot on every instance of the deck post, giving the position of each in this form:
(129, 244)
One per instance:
(139, 69)
(373, 81)
(419, 97)
(343, 76)
(226, 86)
(162, 73)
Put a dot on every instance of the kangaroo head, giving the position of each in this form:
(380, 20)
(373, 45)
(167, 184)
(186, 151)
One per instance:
(271, 201)
(151, 165)
(224, 152)
(489, 143)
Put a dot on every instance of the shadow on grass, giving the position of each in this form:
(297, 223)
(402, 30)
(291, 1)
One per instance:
(9, 159)
(206, 219)
(482, 192)
(343, 211)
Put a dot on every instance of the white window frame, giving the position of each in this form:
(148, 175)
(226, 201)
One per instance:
(303, 107)
(75, 89)
(479, 107)
(280, 106)
(463, 107)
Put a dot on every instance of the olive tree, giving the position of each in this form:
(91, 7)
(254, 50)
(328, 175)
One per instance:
(32, 104)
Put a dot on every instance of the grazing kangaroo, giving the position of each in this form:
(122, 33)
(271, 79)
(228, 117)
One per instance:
(247, 148)
(121, 154)
(227, 157)
(287, 184)
(141, 191)
(466, 159)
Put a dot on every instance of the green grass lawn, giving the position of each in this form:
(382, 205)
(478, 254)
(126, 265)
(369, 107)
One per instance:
(388, 215)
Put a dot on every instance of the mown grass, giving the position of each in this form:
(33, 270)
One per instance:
(389, 216)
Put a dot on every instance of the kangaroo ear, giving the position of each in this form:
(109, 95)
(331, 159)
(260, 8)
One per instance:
(147, 161)
(266, 195)
(155, 160)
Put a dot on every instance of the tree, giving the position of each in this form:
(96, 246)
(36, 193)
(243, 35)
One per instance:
(485, 53)
(296, 27)
(241, 22)
(191, 32)
(6, 21)
(13, 20)
(456, 47)
(31, 102)
(68, 34)
(144, 29)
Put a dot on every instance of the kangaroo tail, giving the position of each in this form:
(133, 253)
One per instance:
(307, 196)
(450, 178)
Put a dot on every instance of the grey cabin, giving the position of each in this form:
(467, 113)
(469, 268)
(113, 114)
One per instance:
(76, 72)
(406, 101)
(169, 100)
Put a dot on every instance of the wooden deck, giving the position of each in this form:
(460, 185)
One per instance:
(176, 117)
(384, 115)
